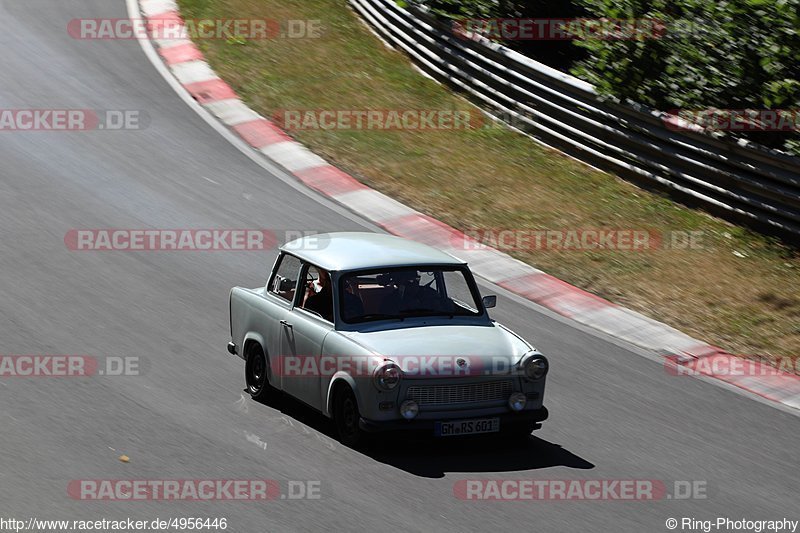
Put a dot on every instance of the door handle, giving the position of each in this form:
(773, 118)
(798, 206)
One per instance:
(285, 323)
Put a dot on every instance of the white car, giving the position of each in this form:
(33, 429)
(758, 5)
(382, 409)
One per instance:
(382, 333)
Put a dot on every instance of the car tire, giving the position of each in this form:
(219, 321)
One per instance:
(346, 418)
(256, 375)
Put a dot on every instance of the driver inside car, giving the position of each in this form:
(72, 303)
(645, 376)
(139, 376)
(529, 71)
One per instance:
(320, 302)
(408, 294)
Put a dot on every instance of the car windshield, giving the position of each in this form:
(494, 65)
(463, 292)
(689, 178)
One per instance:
(401, 293)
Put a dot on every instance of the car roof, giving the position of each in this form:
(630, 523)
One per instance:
(362, 250)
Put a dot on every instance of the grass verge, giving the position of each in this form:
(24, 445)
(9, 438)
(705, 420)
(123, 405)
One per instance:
(737, 290)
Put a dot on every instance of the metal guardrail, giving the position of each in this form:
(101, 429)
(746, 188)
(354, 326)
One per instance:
(739, 181)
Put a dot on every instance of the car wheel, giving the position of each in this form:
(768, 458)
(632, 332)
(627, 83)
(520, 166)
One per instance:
(346, 417)
(255, 374)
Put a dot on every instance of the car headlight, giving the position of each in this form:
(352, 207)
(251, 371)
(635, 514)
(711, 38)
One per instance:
(409, 409)
(387, 376)
(517, 401)
(536, 368)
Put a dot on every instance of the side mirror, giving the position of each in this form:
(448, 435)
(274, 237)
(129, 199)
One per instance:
(490, 301)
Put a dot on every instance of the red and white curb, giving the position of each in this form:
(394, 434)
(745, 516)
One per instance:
(188, 66)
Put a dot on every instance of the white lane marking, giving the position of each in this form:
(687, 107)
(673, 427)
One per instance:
(374, 205)
(293, 156)
(172, 43)
(157, 7)
(232, 111)
(193, 72)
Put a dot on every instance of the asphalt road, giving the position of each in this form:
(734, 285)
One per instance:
(614, 413)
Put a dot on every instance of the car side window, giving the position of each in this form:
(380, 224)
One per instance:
(458, 290)
(284, 283)
(318, 298)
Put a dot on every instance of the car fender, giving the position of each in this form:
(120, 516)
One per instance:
(341, 375)
(256, 337)
(524, 348)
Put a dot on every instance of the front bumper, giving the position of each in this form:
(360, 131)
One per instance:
(506, 420)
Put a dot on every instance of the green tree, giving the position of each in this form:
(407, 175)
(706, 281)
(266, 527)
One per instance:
(731, 54)
(727, 54)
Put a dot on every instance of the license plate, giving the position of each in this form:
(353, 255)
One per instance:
(467, 427)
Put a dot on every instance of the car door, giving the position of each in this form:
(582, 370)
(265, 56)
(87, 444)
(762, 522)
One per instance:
(303, 336)
(281, 292)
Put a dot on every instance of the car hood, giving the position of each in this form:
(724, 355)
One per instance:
(477, 344)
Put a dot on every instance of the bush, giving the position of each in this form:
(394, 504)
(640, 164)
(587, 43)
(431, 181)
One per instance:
(729, 55)
(738, 54)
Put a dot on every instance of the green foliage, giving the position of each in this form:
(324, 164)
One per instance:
(728, 54)
(731, 54)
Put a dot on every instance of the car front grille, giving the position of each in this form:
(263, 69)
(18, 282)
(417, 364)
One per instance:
(485, 391)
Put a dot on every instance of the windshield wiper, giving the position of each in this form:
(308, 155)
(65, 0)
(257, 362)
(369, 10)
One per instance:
(425, 312)
(375, 316)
